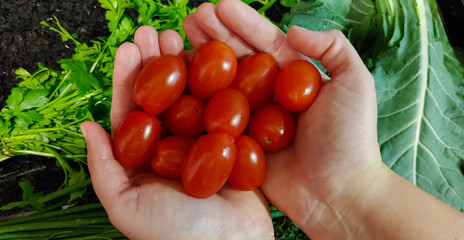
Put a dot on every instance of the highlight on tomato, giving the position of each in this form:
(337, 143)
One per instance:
(213, 68)
(272, 126)
(255, 78)
(208, 164)
(227, 111)
(297, 85)
(250, 165)
(186, 116)
(169, 156)
(160, 83)
(136, 138)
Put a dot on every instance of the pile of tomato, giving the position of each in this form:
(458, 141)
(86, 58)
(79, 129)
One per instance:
(213, 121)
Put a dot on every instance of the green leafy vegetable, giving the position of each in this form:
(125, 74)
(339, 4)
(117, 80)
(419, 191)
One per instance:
(87, 221)
(419, 85)
(42, 115)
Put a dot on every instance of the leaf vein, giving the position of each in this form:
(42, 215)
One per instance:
(432, 96)
(400, 155)
(398, 111)
(408, 125)
(439, 170)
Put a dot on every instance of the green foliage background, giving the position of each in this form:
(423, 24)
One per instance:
(419, 83)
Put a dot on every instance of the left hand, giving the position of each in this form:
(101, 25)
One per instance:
(143, 205)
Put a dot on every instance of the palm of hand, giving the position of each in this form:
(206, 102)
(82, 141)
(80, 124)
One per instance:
(317, 165)
(311, 170)
(327, 151)
(143, 205)
(163, 207)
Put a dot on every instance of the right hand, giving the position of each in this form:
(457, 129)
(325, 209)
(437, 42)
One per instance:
(335, 154)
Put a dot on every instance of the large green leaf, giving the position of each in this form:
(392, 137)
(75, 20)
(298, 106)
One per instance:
(419, 84)
(421, 106)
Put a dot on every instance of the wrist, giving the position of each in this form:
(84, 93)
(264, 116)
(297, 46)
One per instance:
(348, 207)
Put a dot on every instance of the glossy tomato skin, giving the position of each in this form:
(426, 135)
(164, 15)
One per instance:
(272, 126)
(297, 85)
(255, 78)
(212, 69)
(208, 164)
(227, 111)
(186, 116)
(250, 165)
(136, 139)
(160, 83)
(169, 156)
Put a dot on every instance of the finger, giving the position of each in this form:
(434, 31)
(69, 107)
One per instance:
(171, 43)
(195, 34)
(146, 38)
(256, 30)
(333, 50)
(207, 18)
(330, 47)
(127, 65)
(108, 177)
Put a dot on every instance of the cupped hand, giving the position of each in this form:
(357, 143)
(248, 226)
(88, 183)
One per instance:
(335, 154)
(143, 205)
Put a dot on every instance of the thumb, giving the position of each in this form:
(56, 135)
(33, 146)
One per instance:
(335, 53)
(108, 176)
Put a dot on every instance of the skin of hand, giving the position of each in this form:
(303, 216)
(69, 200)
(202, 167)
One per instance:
(331, 180)
(336, 138)
(143, 205)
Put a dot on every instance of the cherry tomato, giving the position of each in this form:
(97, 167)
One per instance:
(208, 164)
(250, 165)
(136, 139)
(186, 116)
(160, 83)
(212, 68)
(255, 78)
(297, 85)
(169, 156)
(227, 111)
(272, 126)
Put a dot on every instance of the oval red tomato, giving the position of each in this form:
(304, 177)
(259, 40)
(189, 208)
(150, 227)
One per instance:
(297, 85)
(272, 126)
(250, 165)
(227, 111)
(255, 78)
(208, 164)
(160, 83)
(169, 156)
(186, 116)
(213, 68)
(136, 139)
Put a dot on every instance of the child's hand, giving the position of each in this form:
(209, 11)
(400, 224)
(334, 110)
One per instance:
(143, 205)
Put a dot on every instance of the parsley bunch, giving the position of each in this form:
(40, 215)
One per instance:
(43, 113)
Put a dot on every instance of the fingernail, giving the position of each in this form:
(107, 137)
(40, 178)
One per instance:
(298, 28)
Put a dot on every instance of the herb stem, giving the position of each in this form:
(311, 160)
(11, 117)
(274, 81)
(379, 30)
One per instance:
(65, 191)
(68, 73)
(58, 99)
(54, 214)
(94, 65)
(267, 5)
(76, 223)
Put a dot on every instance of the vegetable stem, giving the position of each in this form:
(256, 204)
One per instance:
(65, 191)
(68, 73)
(54, 214)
